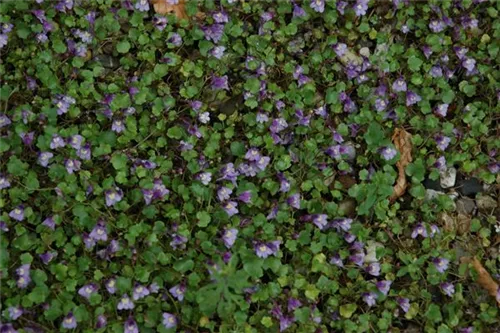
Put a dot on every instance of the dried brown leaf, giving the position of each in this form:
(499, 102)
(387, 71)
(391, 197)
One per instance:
(163, 7)
(402, 141)
(484, 278)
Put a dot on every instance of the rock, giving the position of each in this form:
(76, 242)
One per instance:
(447, 222)
(469, 187)
(466, 206)
(486, 204)
(347, 207)
(432, 184)
(371, 251)
(431, 194)
(448, 178)
(462, 224)
(364, 51)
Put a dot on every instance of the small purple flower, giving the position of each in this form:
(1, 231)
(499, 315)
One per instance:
(50, 223)
(169, 320)
(341, 6)
(130, 326)
(89, 242)
(469, 329)
(214, 32)
(278, 125)
(404, 303)
(442, 142)
(340, 49)
(57, 142)
(178, 242)
(69, 322)
(47, 257)
(298, 11)
(441, 110)
(263, 162)
(87, 290)
(154, 288)
(388, 153)
(231, 208)
(436, 26)
(204, 177)
(84, 152)
(220, 17)
(320, 220)
(440, 164)
(245, 197)
(175, 39)
(373, 269)
(27, 138)
(337, 260)
(448, 288)
(419, 230)
(75, 141)
(318, 5)
(370, 298)
(399, 85)
(17, 213)
(23, 274)
(140, 292)
(118, 126)
(469, 64)
(293, 304)
(264, 250)
(384, 286)
(178, 291)
(224, 193)
(294, 201)
(72, 165)
(15, 312)
(441, 264)
(113, 196)
(101, 322)
(412, 98)
(4, 120)
(218, 52)
(142, 5)
(125, 303)
(360, 7)
(342, 224)
(99, 232)
(7, 328)
(229, 237)
(494, 167)
(436, 71)
(358, 258)
(44, 158)
(381, 104)
(4, 182)
(111, 285)
(160, 22)
(286, 322)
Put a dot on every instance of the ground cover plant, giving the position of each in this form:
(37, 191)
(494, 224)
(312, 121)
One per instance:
(249, 166)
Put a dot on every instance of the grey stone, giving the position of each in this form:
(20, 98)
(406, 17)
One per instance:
(431, 194)
(465, 206)
(469, 187)
(448, 178)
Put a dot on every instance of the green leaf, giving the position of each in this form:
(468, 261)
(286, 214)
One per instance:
(123, 46)
(414, 63)
(119, 161)
(203, 219)
(184, 265)
(433, 313)
(175, 132)
(254, 267)
(348, 310)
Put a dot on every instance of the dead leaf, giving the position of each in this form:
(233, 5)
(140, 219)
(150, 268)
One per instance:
(402, 141)
(484, 278)
(163, 7)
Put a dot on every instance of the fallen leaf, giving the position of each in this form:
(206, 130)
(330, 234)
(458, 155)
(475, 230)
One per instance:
(402, 141)
(484, 278)
(163, 7)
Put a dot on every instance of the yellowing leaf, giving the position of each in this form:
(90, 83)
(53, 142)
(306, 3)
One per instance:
(402, 141)
(163, 7)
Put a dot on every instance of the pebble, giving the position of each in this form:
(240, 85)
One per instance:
(465, 206)
(448, 178)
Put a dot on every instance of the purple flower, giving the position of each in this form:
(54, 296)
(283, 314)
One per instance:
(336, 260)
(69, 322)
(204, 177)
(263, 162)
(264, 250)
(169, 320)
(278, 125)
(142, 5)
(494, 167)
(218, 52)
(361, 7)
(229, 237)
(388, 153)
(178, 291)
(318, 5)
(113, 196)
(99, 232)
(63, 103)
(303, 79)
(7, 328)
(130, 325)
(4, 120)
(358, 258)
(160, 22)
(231, 208)
(441, 110)
(436, 71)
(370, 298)
(15, 312)
(442, 142)
(286, 322)
(440, 163)
(89, 242)
(84, 152)
(294, 201)
(441, 264)
(399, 85)
(252, 154)
(340, 49)
(219, 83)
(293, 304)
(469, 329)
(381, 104)
(419, 230)
(17, 213)
(373, 269)
(213, 32)
(178, 241)
(111, 285)
(140, 292)
(4, 182)
(448, 288)
(384, 286)
(44, 158)
(298, 11)
(224, 193)
(23, 274)
(436, 26)
(245, 197)
(75, 141)
(57, 142)
(118, 126)
(341, 6)
(175, 39)
(220, 17)
(320, 220)
(101, 322)
(412, 98)
(469, 64)
(125, 303)
(3, 40)
(154, 288)
(50, 223)
(47, 257)
(404, 303)
(87, 290)
(72, 165)
(27, 138)
(342, 224)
